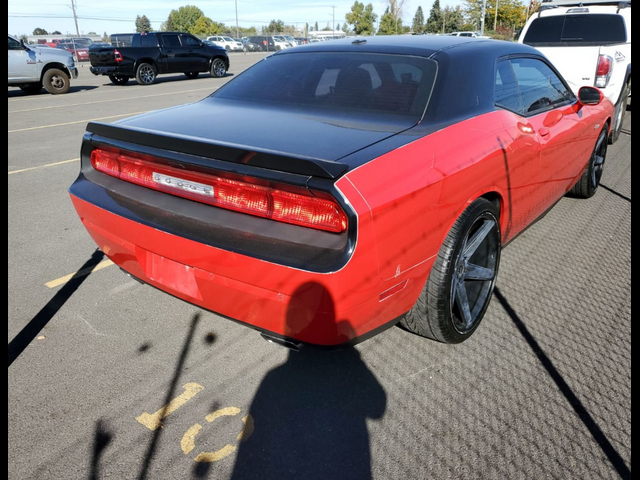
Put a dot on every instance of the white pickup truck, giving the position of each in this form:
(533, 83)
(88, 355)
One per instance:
(589, 42)
(33, 67)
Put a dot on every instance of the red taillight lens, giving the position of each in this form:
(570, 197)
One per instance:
(604, 65)
(117, 56)
(283, 206)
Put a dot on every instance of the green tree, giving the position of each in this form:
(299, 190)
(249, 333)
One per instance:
(40, 31)
(361, 18)
(511, 13)
(338, 27)
(388, 24)
(143, 24)
(183, 19)
(316, 27)
(452, 19)
(434, 22)
(306, 30)
(276, 26)
(418, 21)
(105, 37)
(57, 32)
(202, 27)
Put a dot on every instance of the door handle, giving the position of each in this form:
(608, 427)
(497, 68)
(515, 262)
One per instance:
(544, 131)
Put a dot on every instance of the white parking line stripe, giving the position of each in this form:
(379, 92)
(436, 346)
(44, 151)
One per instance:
(71, 123)
(43, 166)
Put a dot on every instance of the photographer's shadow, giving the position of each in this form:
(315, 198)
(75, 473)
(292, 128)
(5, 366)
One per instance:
(310, 412)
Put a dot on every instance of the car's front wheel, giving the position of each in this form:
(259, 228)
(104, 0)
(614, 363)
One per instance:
(590, 180)
(218, 68)
(145, 74)
(56, 81)
(459, 288)
(119, 79)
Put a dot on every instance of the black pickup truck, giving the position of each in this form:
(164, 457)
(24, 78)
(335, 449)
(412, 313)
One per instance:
(146, 55)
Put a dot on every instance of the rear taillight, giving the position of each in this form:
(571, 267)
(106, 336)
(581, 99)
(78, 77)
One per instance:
(240, 196)
(603, 71)
(117, 56)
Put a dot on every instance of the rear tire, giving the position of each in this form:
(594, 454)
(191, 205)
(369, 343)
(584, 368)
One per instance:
(145, 74)
(459, 288)
(620, 113)
(590, 180)
(119, 79)
(56, 81)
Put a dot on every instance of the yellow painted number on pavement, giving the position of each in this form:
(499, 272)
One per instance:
(154, 420)
(188, 440)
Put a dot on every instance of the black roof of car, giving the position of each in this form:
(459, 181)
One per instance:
(422, 45)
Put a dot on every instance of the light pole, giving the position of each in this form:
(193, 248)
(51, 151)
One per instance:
(484, 12)
(495, 21)
(237, 35)
(333, 25)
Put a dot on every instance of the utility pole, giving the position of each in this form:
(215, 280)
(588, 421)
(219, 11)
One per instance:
(333, 25)
(484, 12)
(237, 35)
(495, 21)
(75, 17)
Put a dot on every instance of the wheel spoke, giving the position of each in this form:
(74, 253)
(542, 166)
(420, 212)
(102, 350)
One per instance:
(476, 272)
(463, 303)
(598, 160)
(475, 241)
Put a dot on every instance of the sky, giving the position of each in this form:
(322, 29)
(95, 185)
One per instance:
(118, 16)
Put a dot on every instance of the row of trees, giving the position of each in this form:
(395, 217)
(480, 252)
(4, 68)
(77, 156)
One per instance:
(502, 18)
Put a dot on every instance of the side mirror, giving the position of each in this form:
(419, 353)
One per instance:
(589, 96)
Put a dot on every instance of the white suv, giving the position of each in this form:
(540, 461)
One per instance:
(589, 42)
(228, 43)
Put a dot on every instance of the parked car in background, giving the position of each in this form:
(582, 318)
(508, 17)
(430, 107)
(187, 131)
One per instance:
(32, 67)
(79, 52)
(302, 40)
(468, 34)
(589, 41)
(250, 46)
(382, 182)
(228, 43)
(282, 42)
(144, 56)
(267, 42)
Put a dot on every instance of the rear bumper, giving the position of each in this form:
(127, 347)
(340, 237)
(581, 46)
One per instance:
(104, 70)
(324, 309)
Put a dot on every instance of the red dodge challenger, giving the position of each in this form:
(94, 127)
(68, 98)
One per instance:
(378, 182)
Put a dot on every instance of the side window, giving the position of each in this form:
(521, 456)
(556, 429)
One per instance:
(189, 41)
(148, 41)
(171, 41)
(506, 91)
(13, 44)
(540, 87)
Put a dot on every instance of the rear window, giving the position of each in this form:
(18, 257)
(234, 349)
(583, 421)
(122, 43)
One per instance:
(565, 30)
(337, 82)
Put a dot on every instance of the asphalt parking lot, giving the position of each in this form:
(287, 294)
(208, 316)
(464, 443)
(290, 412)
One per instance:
(108, 378)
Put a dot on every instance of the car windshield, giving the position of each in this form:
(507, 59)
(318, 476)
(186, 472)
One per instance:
(574, 29)
(352, 83)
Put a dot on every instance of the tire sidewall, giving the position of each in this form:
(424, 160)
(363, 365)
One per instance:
(48, 78)
(213, 67)
(476, 211)
(139, 78)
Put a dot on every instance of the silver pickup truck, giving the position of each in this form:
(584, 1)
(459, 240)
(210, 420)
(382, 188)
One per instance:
(33, 67)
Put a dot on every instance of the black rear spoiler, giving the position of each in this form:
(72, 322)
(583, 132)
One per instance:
(241, 154)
